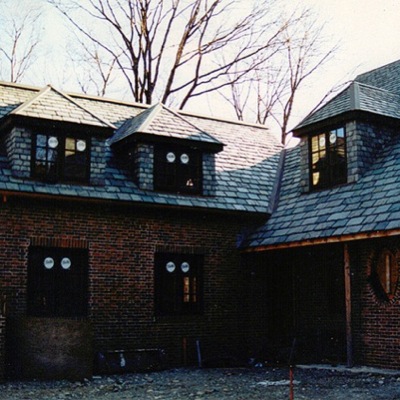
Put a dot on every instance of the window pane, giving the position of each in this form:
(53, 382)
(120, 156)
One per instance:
(55, 291)
(177, 169)
(60, 158)
(328, 159)
(177, 289)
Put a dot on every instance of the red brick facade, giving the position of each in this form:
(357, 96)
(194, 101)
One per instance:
(122, 242)
(376, 327)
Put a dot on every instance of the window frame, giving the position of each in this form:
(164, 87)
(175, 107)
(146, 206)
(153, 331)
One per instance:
(54, 288)
(386, 274)
(177, 292)
(331, 166)
(57, 170)
(173, 175)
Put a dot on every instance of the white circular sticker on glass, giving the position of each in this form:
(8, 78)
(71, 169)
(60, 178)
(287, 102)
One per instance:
(332, 137)
(184, 158)
(52, 142)
(170, 266)
(48, 263)
(171, 157)
(185, 267)
(322, 141)
(66, 263)
(81, 145)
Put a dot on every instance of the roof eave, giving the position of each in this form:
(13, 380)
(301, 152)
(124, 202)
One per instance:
(322, 241)
(343, 118)
(142, 137)
(14, 119)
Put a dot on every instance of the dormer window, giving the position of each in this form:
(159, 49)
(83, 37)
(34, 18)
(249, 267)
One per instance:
(60, 158)
(177, 169)
(328, 159)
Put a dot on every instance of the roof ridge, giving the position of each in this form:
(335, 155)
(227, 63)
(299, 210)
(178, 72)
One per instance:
(176, 113)
(29, 102)
(375, 88)
(75, 95)
(20, 85)
(377, 68)
(69, 98)
(153, 111)
(48, 88)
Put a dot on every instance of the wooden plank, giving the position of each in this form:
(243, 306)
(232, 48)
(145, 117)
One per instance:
(325, 240)
(347, 285)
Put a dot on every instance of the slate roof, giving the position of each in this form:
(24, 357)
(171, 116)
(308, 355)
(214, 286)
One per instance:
(376, 92)
(246, 169)
(365, 208)
(53, 105)
(369, 205)
(161, 121)
(357, 97)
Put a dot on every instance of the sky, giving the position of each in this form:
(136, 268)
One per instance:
(367, 32)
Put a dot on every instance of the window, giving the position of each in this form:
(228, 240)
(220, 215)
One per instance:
(387, 273)
(177, 169)
(64, 158)
(328, 159)
(57, 282)
(178, 284)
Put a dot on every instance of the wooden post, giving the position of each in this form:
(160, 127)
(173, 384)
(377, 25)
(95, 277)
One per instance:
(347, 286)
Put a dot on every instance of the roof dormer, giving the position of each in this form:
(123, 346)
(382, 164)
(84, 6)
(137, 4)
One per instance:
(51, 137)
(340, 140)
(167, 153)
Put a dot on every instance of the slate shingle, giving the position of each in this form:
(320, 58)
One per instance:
(245, 170)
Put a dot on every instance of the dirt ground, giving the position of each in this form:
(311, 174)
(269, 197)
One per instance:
(197, 384)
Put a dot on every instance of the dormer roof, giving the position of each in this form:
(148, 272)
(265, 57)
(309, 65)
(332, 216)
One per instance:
(245, 171)
(51, 104)
(375, 92)
(161, 122)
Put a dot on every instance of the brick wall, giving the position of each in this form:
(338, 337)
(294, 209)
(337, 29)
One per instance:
(122, 242)
(376, 327)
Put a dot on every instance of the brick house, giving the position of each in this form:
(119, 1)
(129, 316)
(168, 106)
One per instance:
(131, 234)
(335, 231)
(119, 231)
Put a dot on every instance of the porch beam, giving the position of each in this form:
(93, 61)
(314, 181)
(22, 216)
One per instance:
(325, 240)
(347, 286)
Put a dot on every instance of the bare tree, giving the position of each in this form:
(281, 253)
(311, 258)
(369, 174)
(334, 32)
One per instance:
(273, 85)
(19, 40)
(94, 70)
(170, 50)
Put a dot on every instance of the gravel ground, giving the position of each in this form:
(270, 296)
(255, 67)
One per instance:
(198, 384)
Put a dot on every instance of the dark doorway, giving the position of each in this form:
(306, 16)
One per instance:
(298, 293)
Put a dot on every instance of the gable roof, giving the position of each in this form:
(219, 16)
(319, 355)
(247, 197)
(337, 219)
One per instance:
(159, 120)
(50, 104)
(245, 170)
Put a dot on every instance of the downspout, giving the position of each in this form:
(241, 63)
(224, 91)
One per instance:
(347, 286)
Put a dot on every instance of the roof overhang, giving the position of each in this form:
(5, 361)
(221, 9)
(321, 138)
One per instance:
(141, 137)
(11, 121)
(322, 241)
(347, 116)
